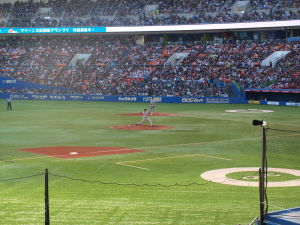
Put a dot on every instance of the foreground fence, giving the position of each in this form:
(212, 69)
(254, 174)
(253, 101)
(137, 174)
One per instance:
(49, 198)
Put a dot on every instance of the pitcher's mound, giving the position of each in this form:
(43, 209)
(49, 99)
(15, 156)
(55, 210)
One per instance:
(154, 114)
(141, 127)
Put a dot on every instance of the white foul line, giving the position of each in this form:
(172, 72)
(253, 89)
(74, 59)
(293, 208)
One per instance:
(137, 167)
(125, 163)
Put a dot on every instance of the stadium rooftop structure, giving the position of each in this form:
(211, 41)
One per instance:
(247, 26)
(271, 25)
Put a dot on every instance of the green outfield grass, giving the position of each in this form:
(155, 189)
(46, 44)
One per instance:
(124, 189)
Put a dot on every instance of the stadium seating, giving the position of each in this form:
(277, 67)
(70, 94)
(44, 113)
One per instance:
(55, 13)
(115, 66)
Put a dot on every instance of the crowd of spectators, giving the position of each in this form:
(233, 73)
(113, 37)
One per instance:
(269, 4)
(217, 63)
(134, 13)
(119, 66)
(289, 74)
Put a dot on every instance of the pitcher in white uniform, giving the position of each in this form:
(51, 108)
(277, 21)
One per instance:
(146, 114)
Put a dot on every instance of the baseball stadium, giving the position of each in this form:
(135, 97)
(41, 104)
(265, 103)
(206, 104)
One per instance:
(175, 112)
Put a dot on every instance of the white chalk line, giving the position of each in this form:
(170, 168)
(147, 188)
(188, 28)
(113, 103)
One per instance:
(137, 167)
(172, 157)
(125, 163)
(235, 120)
(175, 145)
(217, 141)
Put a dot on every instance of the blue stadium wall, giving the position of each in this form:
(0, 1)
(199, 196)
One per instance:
(8, 84)
(119, 98)
(211, 100)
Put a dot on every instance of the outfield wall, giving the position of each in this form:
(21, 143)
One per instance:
(118, 98)
(282, 103)
(210, 100)
(279, 95)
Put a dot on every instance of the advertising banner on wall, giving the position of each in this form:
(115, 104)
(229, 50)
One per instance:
(209, 100)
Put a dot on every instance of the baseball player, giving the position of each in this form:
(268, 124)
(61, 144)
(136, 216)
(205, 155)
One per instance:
(8, 100)
(152, 106)
(145, 118)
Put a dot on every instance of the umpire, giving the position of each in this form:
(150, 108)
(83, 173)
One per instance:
(8, 100)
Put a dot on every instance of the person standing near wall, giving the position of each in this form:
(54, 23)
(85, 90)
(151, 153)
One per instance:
(152, 106)
(8, 100)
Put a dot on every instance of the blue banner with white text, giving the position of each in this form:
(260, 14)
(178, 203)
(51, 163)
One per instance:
(209, 100)
(11, 83)
(51, 30)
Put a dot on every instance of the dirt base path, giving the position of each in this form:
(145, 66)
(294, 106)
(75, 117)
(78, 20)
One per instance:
(219, 176)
